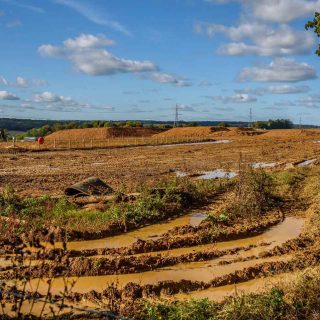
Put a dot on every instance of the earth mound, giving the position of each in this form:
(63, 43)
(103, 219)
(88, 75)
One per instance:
(293, 134)
(101, 133)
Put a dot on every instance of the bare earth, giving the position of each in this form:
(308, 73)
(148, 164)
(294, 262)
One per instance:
(38, 173)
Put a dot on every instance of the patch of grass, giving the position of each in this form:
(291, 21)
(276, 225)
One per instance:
(253, 197)
(153, 204)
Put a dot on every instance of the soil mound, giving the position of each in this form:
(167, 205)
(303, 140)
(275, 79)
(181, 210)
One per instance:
(101, 133)
(210, 132)
(293, 134)
(192, 131)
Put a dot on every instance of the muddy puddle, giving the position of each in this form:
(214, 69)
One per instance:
(289, 229)
(260, 165)
(146, 233)
(307, 163)
(196, 271)
(220, 293)
(217, 174)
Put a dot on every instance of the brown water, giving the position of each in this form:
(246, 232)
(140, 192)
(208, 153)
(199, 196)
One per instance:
(290, 228)
(220, 293)
(194, 272)
(148, 232)
(197, 271)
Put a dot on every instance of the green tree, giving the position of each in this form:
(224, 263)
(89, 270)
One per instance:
(223, 124)
(315, 25)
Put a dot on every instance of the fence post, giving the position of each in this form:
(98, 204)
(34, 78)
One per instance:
(54, 143)
(91, 143)
(69, 144)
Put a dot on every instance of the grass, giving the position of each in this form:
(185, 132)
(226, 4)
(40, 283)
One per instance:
(253, 196)
(167, 198)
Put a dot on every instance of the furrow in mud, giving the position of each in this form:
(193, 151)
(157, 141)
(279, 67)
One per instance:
(220, 233)
(250, 248)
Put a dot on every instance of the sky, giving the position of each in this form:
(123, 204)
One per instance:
(124, 59)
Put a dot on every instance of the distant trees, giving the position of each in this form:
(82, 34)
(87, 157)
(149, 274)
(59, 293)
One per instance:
(273, 124)
(223, 125)
(48, 129)
(315, 25)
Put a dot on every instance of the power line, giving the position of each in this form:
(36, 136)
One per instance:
(176, 119)
(250, 118)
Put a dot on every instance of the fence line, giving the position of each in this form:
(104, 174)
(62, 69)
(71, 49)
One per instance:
(91, 143)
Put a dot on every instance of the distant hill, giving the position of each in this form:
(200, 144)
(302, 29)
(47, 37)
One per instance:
(13, 124)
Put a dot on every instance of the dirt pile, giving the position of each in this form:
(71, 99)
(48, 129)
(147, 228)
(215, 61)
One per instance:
(210, 132)
(293, 134)
(192, 132)
(101, 133)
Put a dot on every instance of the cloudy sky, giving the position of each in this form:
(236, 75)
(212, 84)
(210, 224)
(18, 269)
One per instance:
(124, 59)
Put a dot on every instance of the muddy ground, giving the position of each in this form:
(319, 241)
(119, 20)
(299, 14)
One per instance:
(35, 174)
(173, 257)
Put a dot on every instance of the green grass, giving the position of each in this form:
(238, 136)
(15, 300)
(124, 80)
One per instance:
(168, 197)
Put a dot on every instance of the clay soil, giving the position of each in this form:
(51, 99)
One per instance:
(38, 173)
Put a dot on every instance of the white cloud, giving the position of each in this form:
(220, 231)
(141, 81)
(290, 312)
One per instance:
(94, 15)
(50, 97)
(281, 11)
(238, 98)
(310, 101)
(287, 89)
(3, 81)
(279, 70)
(5, 95)
(277, 89)
(22, 82)
(85, 41)
(263, 39)
(170, 78)
(87, 56)
(183, 107)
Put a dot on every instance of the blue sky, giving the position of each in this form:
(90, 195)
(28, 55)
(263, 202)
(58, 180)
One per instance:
(124, 59)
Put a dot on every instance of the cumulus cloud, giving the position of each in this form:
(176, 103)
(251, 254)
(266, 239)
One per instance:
(264, 40)
(5, 95)
(50, 97)
(170, 78)
(281, 11)
(88, 56)
(279, 70)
